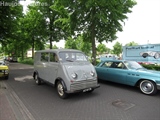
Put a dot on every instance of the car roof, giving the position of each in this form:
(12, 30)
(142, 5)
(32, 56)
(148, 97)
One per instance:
(1, 61)
(59, 50)
(114, 60)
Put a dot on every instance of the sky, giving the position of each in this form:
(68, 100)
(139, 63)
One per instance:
(142, 25)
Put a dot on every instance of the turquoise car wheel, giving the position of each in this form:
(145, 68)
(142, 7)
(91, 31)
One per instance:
(148, 87)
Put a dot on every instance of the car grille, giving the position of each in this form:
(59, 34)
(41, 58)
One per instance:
(1, 70)
(79, 85)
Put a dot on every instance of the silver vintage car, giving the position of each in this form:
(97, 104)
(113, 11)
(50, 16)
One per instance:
(67, 69)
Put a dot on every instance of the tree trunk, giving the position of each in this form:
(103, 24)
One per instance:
(50, 40)
(32, 47)
(93, 49)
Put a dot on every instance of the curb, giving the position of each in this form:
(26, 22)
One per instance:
(17, 107)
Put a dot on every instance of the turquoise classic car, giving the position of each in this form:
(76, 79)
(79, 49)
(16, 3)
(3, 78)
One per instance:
(129, 73)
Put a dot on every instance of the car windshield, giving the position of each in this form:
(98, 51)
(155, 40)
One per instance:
(2, 63)
(133, 65)
(70, 56)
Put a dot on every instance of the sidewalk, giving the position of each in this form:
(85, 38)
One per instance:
(6, 111)
(11, 107)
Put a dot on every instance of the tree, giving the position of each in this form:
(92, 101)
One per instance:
(8, 20)
(101, 48)
(9, 26)
(55, 47)
(79, 44)
(131, 44)
(54, 29)
(35, 28)
(98, 19)
(117, 49)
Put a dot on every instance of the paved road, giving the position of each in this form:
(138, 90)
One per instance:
(109, 102)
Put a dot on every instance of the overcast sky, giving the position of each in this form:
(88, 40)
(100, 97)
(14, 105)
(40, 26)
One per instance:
(142, 26)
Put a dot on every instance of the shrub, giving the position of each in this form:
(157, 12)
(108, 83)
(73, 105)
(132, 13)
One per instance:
(26, 61)
(152, 67)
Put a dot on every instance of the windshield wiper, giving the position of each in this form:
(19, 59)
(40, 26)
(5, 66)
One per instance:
(139, 68)
(69, 60)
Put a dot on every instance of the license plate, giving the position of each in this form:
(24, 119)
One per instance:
(88, 89)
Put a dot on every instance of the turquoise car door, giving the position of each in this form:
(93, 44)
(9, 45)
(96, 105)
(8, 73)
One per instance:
(117, 75)
(117, 72)
(102, 73)
(132, 77)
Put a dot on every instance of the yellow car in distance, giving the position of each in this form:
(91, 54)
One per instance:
(4, 70)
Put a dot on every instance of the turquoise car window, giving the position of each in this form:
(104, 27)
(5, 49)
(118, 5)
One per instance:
(133, 65)
(121, 66)
(106, 64)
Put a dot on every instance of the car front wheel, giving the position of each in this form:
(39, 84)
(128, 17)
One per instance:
(157, 55)
(148, 87)
(60, 90)
(38, 81)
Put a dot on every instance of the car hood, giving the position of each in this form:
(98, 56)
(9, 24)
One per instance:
(2, 67)
(82, 69)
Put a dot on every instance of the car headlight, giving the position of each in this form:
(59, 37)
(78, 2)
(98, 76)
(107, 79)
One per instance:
(6, 71)
(74, 75)
(92, 73)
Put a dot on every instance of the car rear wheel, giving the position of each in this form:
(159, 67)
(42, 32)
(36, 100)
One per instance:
(148, 87)
(145, 55)
(6, 77)
(38, 81)
(60, 90)
(157, 55)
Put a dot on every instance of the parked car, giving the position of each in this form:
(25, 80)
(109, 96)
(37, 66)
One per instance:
(12, 59)
(4, 70)
(129, 73)
(154, 54)
(67, 69)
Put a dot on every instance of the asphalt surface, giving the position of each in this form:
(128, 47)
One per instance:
(22, 99)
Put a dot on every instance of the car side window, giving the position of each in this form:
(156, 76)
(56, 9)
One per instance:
(107, 64)
(119, 65)
(114, 65)
(44, 57)
(53, 57)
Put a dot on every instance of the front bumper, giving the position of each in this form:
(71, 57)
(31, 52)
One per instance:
(84, 90)
(3, 74)
(158, 86)
(85, 85)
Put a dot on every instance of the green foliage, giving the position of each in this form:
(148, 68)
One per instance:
(151, 67)
(101, 48)
(55, 47)
(9, 27)
(9, 16)
(26, 61)
(131, 44)
(79, 44)
(117, 48)
(98, 19)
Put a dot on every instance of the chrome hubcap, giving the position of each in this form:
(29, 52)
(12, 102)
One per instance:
(147, 87)
(60, 89)
(36, 78)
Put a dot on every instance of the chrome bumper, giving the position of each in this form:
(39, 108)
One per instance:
(158, 86)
